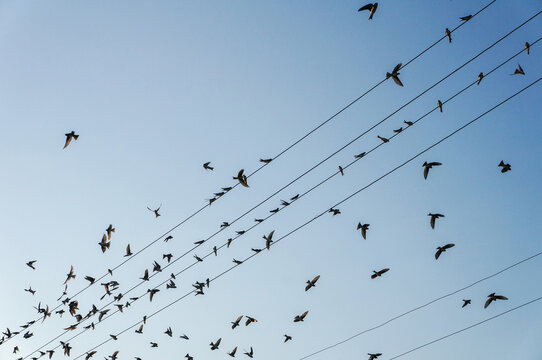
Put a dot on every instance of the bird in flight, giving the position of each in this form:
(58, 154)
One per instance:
(466, 302)
(69, 137)
(232, 353)
(207, 167)
(492, 297)
(287, 338)
(70, 275)
(527, 47)
(146, 276)
(374, 356)
(128, 251)
(363, 228)
(341, 170)
(433, 218)
(466, 18)
(30, 290)
(235, 323)
(395, 74)
(249, 320)
(250, 354)
(312, 283)
(215, 345)
(448, 34)
(519, 71)
(268, 240)
(241, 177)
(505, 167)
(30, 264)
(104, 244)
(442, 249)
(301, 317)
(334, 211)
(155, 211)
(110, 229)
(371, 8)
(428, 166)
(379, 273)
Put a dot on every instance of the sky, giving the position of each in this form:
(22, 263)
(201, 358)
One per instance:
(156, 89)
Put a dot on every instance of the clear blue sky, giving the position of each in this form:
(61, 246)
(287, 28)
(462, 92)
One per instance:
(157, 88)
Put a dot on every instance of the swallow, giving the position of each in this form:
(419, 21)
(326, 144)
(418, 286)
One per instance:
(146, 276)
(199, 242)
(207, 167)
(224, 224)
(439, 104)
(219, 194)
(250, 354)
(379, 273)
(286, 203)
(249, 320)
(448, 35)
(114, 337)
(70, 275)
(395, 74)
(397, 131)
(256, 250)
(528, 48)
(140, 330)
(211, 201)
(301, 317)
(89, 355)
(30, 264)
(104, 245)
(442, 249)
(67, 348)
(171, 285)
(519, 71)
(466, 18)
(155, 211)
(226, 189)
(492, 297)
(266, 161)
(433, 218)
(168, 238)
(167, 256)
(90, 279)
(466, 302)
(360, 155)
(383, 139)
(228, 242)
(30, 290)
(235, 323)
(237, 262)
(169, 332)
(215, 345)
(269, 239)
(480, 77)
(188, 357)
(295, 197)
(152, 293)
(287, 338)
(241, 178)
(258, 220)
(240, 232)
(409, 123)
(198, 258)
(428, 166)
(232, 353)
(341, 170)
(363, 228)
(154, 345)
(312, 283)
(183, 336)
(215, 250)
(274, 211)
(102, 314)
(375, 356)
(156, 267)
(110, 229)
(69, 137)
(334, 211)
(371, 8)
(505, 167)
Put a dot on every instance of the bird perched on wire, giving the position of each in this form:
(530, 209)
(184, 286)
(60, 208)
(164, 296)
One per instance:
(448, 35)
(215, 345)
(433, 218)
(334, 211)
(312, 283)
(363, 228)
(69, 137)
(241, 177)
(527, 47)
(466, 18)
(383, 139)
(207, 167)
(156, 213)
(30, 264)
(379, 273)
(427, 166)
(492, 297)
(518, 71)
(480, 77)
(505, 167)
(371, 8)
(266, 161)
(395, 74)
(442, 249)
(439, 104)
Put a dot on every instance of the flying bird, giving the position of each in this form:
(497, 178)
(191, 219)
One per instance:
(334, 211)
(128, 251)
(442, 249)
(371, 8)
(312, 283)
(395, 74)
(383, 139)
(241, 177)
(519, 71)
(69, 137)
(505, 167)
(480, 77)
(232, 353)
(433, 218)
(250, 354)
(287, 338)
(30, 264)
(70, 275)
(235, 323)
(428, 166)
(249, 320)
(363, 228)
(379, 273)
(466, 302)
(448, 34)
(110, 229)
(341, 170)
(207, 167)
(104, 245)
(146, 276)
(214, 346)
(155, 211)
(492, 297)
(374, 356)
(301, 317)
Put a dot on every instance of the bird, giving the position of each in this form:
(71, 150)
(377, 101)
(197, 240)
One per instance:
(341, 170)
(383, 139)
(66, 347)
(480, 77)
(334, 211)
(156, 267)
(466, 302)
(439, 104)
(397, 131)
(250, 320)
(527, 47)
(371, 8)
(104, 245)
(428, 166)
(466, 18)
(70, 275)
(287, 338)
(140, 330)
(395, 74)
(154, 345)
(374, 356)
(188, 357)
(379, 273)
(152, 293)
(442, 249)
(110, 229)
(155, 211)
(448, 34)
(146, 276)
(69, 137)
(30, 264)
(250, 354)
(433, 218)
(232, 353)
(409, 123)
(168, 238)
(268, 240)
(301, 317)
(505, 167)
(128, 251)
(114, 337)
(312, 283)
(360, 155)
(30, 290)
(235, 323)
(492, 297)
(207, 167)
(241, 177)
(169, 332)
(266, 161)
(90, 354)
(237, 262)
(215, 345)
(363, 228)
(198, 258)
(518, 71)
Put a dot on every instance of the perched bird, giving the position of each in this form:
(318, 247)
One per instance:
(383, 139)
(287, 338)
(312, 283)
(409, 123)
(301, 317)
(207, 167)
(70, 275)
(90, 279)
(235, 323)
(334, 211)
(188, 357)
(266, 161)
(215, 345)
(439, 104)
(250, 354)
(30, 264)
(369, 7)
(480, 77)
(519, 71)
(183, 336)
(442, 249)
(360, 155)
(466, 18)
(374, 356)
(428, 166)
(140, 330)
(110, 229)
(154, 345)
(527, 47)
(505, 167)
(237, 262)
(341, 170)
(448, 34)
(198, 258)
(466, 302)
(128, 251)
(167, 256)
(155, 211)
(363, 228)
(104, 245)
(69, 137)
(395, 74)
(232, 353)
(379, 273)
(114, 337)
(241, 178)
(492, 297)
(433, 218)
(397, 131)
(295, 197)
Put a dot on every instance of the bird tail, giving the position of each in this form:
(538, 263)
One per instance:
(388, 75)
(76, 137)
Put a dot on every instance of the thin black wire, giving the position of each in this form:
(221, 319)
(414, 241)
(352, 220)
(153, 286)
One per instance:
(466, 328)
(325, 211)
(250, 228)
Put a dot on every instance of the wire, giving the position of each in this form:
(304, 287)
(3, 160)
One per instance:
(300, 196)
(326, 211)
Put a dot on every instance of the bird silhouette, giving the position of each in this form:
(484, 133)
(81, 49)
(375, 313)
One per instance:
(492, 297)
(466, 18)
(287, 337)
(528, 48)
(235, 323)
(409, 123)
(363, 228)
(341, 170)
(439, 104)
(505, 167)
(397, 131)
(433, 218)
(30, 290)
(301, 317)
(312, 283)
(428, 166)
(383, 139)
(480, 77)
(128, 251)
(156, 214)
(374, 356)
(30, 264)
(104, 245)
(334, 211)
(266, 161)
(140, 330)
(250, 320)
(232, 353)
(169, 332)
(110, 229)
(518, 71)
(215, 345)
(69, 137)
(145, 276)
(360, 155)
(442, 249)
(250, 354)
(448, 35)
(466, 302)
(241, 177)
(207, 167)
(395, 74)
(371, 8)
(379, 273)
(70, 275)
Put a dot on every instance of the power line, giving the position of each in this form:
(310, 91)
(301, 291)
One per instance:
(265, 164)
(326, 211)
(300, 196)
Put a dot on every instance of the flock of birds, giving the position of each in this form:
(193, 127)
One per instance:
(110, 287)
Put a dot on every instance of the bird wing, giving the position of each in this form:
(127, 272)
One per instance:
(397, 81)
(437, 254)
(500, 297)
(315, 279)
(397, 68)
(366, 7)
(304, 314)
(425, 172)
